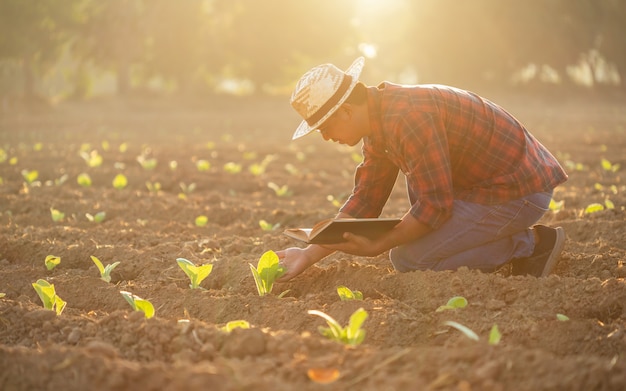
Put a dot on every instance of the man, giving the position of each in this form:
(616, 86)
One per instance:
(477, 180)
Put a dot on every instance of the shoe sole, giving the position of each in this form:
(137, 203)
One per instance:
(559, 243)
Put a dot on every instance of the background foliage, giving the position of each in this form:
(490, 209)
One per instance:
(61, 48)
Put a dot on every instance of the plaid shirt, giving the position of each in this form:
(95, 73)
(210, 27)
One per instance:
(450, 144)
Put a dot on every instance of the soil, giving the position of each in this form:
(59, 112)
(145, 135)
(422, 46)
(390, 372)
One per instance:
(100, 343)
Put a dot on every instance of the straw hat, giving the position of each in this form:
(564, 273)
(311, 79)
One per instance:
(321, 91)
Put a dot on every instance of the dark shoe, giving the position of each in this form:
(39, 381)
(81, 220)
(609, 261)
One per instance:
(546, 254)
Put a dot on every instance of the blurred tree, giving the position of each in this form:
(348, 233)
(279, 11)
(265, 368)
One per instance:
(33, 35)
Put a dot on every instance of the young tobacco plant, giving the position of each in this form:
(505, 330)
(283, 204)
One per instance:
(454, 303)
(346, 294)
(139, 304)
(52, 261)
(235, 324)
(105, 271)
(48, 296)
(351, 335)
(97, 218)
(195, 273)
(267, 271)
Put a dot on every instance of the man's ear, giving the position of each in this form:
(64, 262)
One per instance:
(346, 109)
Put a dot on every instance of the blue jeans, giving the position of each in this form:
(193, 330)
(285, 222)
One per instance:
(482, 237)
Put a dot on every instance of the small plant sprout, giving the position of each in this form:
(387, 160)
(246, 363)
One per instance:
(454, 303)
(562, 318)
(61, 180)
(83, 180)
(609, 204)
(97, 218)
(147, 163)
(186, 190)
(30, 176)
(593, 208)
(201, 221)
(48, 296)
(93, 159)
(3, 155)
(494, 335)
(195, 273)
(281, 191)
(556, 206)
(256, 169)
(56, 215)
(608, 166)
(267, 271)
(123, 147)
(120, 181)
(139, 304)
(203, 165)
(469, 333)
(232, 168)
(52, 261)
(173, 165)
(291, 169)
(351, 335)
(265, 226)
(347, 294)
(153, 187)
(235, 324)
(105, 271)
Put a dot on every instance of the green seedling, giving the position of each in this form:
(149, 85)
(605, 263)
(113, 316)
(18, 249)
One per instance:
(52, 261)
(93, 159)
(469, 333)
(4, 156)
(203, 165)
(281, 191)
(2, 294)
(61, 180)
(494, 335)
(30, 176)
(120, 181)
(256, 169)
(37, 147)
(56, 215)
(153, 187)
(48, 296)
(454, 303)
(351, 335)
(599, 187)
(347, 294)
(291, 169)
(195, 273)
(187, 190)
(232, 168)
(235, 324)
(13, 161)
(123, 147)
(267, 271)
(593, 208)
(562, 318)
(201, 221)
(147, 163)
(105, 145)
(139, 304)
(105, 271)
(97, 218)
(556, 206)
(83, 180)
(608, 166)
(265, 226)
(173, 164)
(609, 204)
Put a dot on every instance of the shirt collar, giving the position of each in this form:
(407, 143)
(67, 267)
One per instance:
(374, 100)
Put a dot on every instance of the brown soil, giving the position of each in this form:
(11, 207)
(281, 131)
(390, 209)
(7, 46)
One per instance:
(99, 343)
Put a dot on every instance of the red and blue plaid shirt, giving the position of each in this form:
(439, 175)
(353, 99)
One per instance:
(451, 145)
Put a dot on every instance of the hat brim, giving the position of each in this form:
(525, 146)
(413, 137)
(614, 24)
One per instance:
(354, 71)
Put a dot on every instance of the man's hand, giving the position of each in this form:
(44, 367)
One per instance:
(357, 245)
(295, 260)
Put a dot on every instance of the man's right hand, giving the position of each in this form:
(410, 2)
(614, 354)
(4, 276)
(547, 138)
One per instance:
(295, 260)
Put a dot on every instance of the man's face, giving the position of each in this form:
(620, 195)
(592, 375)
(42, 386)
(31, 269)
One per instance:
(341, 127)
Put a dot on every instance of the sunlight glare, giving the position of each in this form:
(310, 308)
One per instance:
(368, 50)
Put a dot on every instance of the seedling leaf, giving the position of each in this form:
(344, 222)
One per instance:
(346, 293)
(234, 324)
(56, 215)
(352, 334)
(120, 181)
(52, 261)
(83, 180)
(267, 271)
(139, 304)
(201, 221)
(494, 335)
(195, 273)
(592, 208)
(562, 318)
(105, 272)
(469, 333)
(454, 303)
(48, 296)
